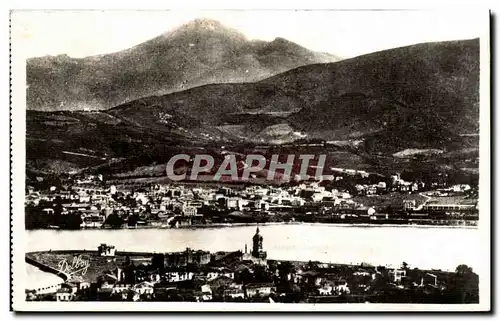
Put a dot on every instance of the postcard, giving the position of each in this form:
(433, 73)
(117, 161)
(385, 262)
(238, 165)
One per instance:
(250, 160)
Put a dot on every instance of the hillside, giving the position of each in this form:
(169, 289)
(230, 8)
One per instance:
(198, 53)
(424, 95)
(371, 107)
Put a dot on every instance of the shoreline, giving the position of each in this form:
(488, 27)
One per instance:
(231, 225)
(31, 259)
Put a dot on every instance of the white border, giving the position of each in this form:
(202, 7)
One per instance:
(18, 170)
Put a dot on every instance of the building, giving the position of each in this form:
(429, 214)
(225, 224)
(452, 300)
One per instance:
(187, 257)
(234, 293)
(259, 289)
(341, 286)
(178, 276)
(64, 294)
(189, 210)
(397, 275)
(233, 203)
(258, 250)
(106, 250)
(409, 205)
(448, 207)
(428, 279)
(144, 288)
(158, 261)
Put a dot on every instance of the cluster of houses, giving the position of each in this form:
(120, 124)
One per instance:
(167, 205)
(231, 276)
(174, 205)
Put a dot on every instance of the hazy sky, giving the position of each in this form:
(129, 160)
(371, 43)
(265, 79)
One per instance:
(343, 33)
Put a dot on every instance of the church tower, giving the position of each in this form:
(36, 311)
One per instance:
(258, 250)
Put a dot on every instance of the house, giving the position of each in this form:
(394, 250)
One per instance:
(340, 286)
(106, 250)
(201, 296)
(428, 279)
(205, 288)
(83, 285)
(460, 188)
(409, 205)
(31, 295)
(371, 190)
(189, 210)
(154, 277)
(311, 277)
(259, 289)
(73, 287)
(362, 273)
(397, 275)
(121, 287)
(326, 289)
(204, 294)
(212, 275)
(48, 211)
(107, 282)
(178, 276)
(144, 288)
(226, 286)
(64, 294)
(234, 293)
(126, 294)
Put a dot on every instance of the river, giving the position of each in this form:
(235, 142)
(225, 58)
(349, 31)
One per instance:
(424, 247)
(37, 278)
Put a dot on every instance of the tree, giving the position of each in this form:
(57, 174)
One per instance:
(465, 289)
(114, 221)
(463, 269)
(312, 265)
(245, 276)
(72, 221)
(132, 220)
(286, 268)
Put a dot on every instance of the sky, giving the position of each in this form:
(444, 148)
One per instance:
(342, 33)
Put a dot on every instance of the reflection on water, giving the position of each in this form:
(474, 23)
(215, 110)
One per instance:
(440, 248)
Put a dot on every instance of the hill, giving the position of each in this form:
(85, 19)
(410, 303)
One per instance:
(425, 95)
(198, 53)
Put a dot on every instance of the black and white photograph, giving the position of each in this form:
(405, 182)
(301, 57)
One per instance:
(272, 160)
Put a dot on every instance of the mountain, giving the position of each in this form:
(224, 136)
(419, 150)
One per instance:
(197, 53)
(424, 96)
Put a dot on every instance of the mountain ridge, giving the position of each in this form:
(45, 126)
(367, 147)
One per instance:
(424, 96)
(424, 87)
(191, 55)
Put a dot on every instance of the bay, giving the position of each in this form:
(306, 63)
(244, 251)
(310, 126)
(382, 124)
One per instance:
(423, 247)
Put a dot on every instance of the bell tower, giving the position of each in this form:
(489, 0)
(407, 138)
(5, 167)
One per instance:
(258, 249)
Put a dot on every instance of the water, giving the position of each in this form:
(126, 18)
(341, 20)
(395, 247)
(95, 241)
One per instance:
(37, 278)
(424, 247)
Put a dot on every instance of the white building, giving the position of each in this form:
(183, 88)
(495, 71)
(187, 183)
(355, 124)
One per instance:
(106, 250)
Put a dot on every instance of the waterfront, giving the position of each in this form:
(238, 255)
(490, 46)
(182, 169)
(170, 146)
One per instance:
(37, 278)
(425, 247)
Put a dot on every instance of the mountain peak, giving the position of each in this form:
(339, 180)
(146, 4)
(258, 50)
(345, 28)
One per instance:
(206, 27)
(199, 52)
(205, 23)
(282, 40)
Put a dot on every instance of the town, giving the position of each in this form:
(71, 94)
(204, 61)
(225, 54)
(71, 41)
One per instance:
(349, 196)
(241, 276)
